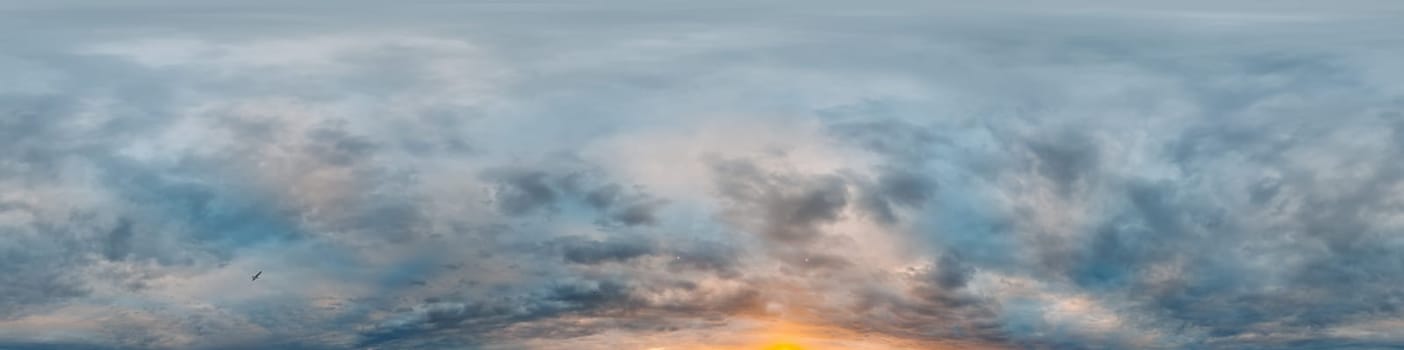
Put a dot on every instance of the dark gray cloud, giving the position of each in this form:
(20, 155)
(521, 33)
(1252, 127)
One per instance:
(548, 312)
(520, 191)
(896, 189)
(57, 346)
(119, 241)
(712, 257)
(624, 208)
(1066, 161)
(786, 209)
(581, 251)
(36, 277)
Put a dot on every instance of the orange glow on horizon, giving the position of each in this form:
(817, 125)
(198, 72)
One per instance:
(784, 347)
(795, 334)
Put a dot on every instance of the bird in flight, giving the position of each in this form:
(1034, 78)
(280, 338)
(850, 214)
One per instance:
(255, 277)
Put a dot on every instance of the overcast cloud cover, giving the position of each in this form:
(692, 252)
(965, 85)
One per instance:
(701, 175)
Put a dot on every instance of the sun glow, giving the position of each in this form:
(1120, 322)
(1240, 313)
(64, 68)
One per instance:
(784, 347)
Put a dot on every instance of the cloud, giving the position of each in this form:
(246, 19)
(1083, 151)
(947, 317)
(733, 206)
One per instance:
(631, 175)
(594, 252)
(787, 209)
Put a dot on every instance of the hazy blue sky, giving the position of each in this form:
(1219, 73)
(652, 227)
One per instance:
(670, 175)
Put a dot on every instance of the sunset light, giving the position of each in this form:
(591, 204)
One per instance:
(784, 347)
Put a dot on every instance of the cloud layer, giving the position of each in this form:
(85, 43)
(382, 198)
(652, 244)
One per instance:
(681, 176)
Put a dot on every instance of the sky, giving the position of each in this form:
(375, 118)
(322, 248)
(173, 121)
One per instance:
(676, 175)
